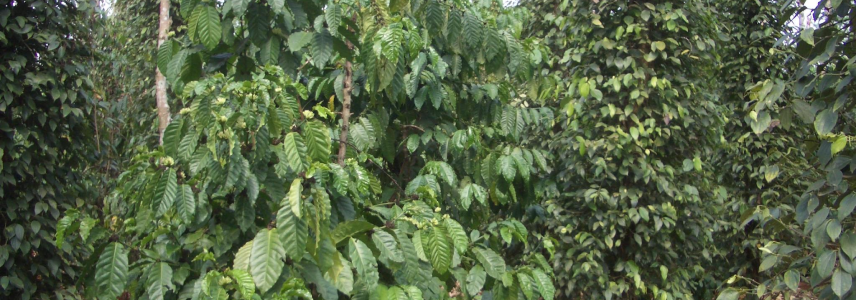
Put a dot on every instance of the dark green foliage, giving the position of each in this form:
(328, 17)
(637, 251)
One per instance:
(45, 104)
(637, 199)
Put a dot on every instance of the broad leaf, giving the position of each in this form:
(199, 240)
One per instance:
(159, 280)
(111, 272)
(267, 259)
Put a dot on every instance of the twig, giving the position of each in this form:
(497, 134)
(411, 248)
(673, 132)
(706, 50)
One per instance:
(414, 127)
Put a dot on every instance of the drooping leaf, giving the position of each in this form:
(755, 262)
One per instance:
(267, 259)
(111, 272)
(159, 280)
(293, 232)
(317, 140)
(293, 199)
(387, 245)
(298, 40)
(365, 263)
(321, 48)
(242, 258)
(63, 224)
(475, 280)
(438, 248)
(493, 264)
(165, 192)
(347, 229)
(245, 283)
(208, 26)
(185, 203)
(458, 235)
(841, 282)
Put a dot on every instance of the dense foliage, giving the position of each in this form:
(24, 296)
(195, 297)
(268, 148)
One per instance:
(243, 198)
(46, 142)
(636, 202)
(428, 149)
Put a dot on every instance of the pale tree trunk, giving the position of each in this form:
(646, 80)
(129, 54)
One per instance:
(160, 86)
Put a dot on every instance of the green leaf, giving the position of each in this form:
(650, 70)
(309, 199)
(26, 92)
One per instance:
(825, 121)
(443, 170)
(293, 232)
(186, 204)
(525, 283)
(473, 31)
(521, 164)
(544, 283)
(845, 208)
(293, 198)
(434, 16)
(208, 26)
(475, 280)
(63, 224)
(771, 172)
(347, 229)
(833, 229)
(269, 52)
(437, 248)
(333, 16)
(245, 283)
(245, 213)
(242, 258)
(492, 262)
(729, 294)
(505, 165)
(458, 235)
(768, 263)
(387, 245)
(826, 263)
(807, 35)
(321, 48)
(362, 134)
(165, 192)
(792, 279)
(841, 282)
(111, 271)
(159, 279)
(466, 196)
(838, 144)
(318, 142)
(365, 263)
(848, 244)
(165, 53)
(295, 151)
(762, 123)
(266, 260)
(298, 40)
(239, 168)
(340, 274)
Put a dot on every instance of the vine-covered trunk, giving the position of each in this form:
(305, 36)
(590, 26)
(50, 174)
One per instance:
(160, 80)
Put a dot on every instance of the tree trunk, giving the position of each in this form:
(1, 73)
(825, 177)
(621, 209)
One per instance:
(346, 104)
(346, 112)
(160, 85)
